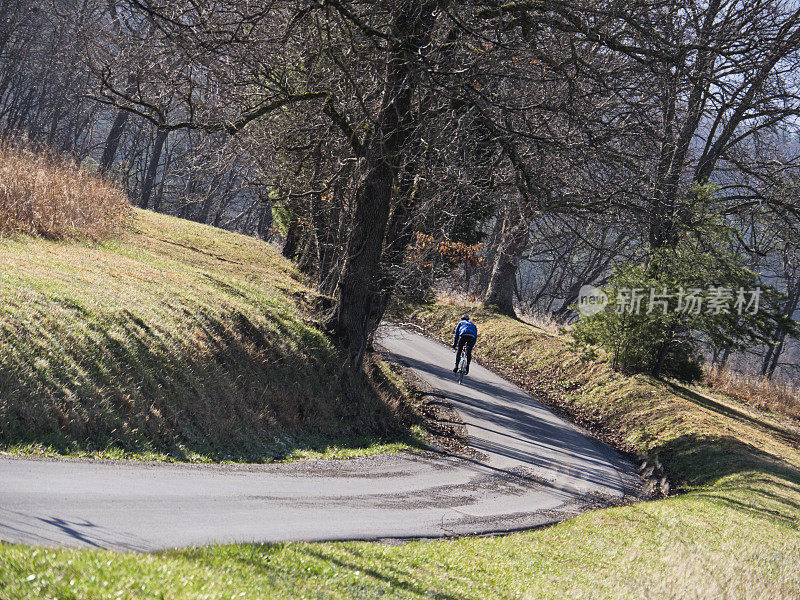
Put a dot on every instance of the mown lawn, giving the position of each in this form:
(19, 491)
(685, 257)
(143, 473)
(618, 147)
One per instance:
(732, 532)
(173, 341)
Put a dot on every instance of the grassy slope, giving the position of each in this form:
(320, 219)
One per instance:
(733, 534)
(174, 340)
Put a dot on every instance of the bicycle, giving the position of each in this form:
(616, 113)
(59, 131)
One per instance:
(462, 368)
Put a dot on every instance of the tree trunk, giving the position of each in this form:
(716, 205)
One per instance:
(726, 354)
(310, 261)
(191, 188)
(113, 139)
(152, 168)
(774, 352)
(661, 357)
(514, 241)
(212, 190)
(159, 197)
(326, 223)
(291, 245)
(485, 274)
(360, 284)
(770, 371)
(307, 260)
(265, 221)
(663, 224)
(400, 235)
(331, 264)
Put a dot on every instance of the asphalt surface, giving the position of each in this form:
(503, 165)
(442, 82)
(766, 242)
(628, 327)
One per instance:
(530, 468)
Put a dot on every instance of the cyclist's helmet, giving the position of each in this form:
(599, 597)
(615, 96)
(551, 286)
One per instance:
(465, 317)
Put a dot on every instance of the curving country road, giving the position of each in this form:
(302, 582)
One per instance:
(532, 468)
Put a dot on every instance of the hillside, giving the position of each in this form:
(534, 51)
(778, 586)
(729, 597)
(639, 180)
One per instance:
(173, 341)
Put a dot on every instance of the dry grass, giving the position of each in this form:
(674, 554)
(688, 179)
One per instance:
(759, 392)
(47, 195)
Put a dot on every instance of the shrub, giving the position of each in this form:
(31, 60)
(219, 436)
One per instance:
(658, 343)
(48, 195)
(691, 292)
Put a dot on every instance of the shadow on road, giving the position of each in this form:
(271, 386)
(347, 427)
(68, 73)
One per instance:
(509, 424)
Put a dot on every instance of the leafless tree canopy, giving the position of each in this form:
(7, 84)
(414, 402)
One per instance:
(522, 149)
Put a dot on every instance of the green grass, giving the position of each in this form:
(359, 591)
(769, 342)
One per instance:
(174, 341)
(685, 547)
(732, 534)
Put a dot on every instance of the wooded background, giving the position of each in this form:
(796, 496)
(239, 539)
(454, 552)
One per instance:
(509, 152)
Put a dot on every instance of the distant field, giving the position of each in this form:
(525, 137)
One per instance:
(173, 341)
(732, 534)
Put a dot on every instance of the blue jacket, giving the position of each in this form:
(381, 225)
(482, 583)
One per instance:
(465, 328)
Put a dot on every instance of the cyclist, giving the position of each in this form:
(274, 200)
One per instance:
(466, 336)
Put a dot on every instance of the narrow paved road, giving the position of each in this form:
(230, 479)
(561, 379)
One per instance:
(534, 468)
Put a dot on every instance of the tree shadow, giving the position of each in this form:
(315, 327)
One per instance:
(509, 424)
(398, 578)
(229, 384)
(27, 529)
(736, 474)
(783, 434)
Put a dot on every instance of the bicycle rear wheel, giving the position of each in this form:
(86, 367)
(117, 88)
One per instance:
(462, 369)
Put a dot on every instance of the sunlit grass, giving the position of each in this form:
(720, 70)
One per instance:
(698, 545)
